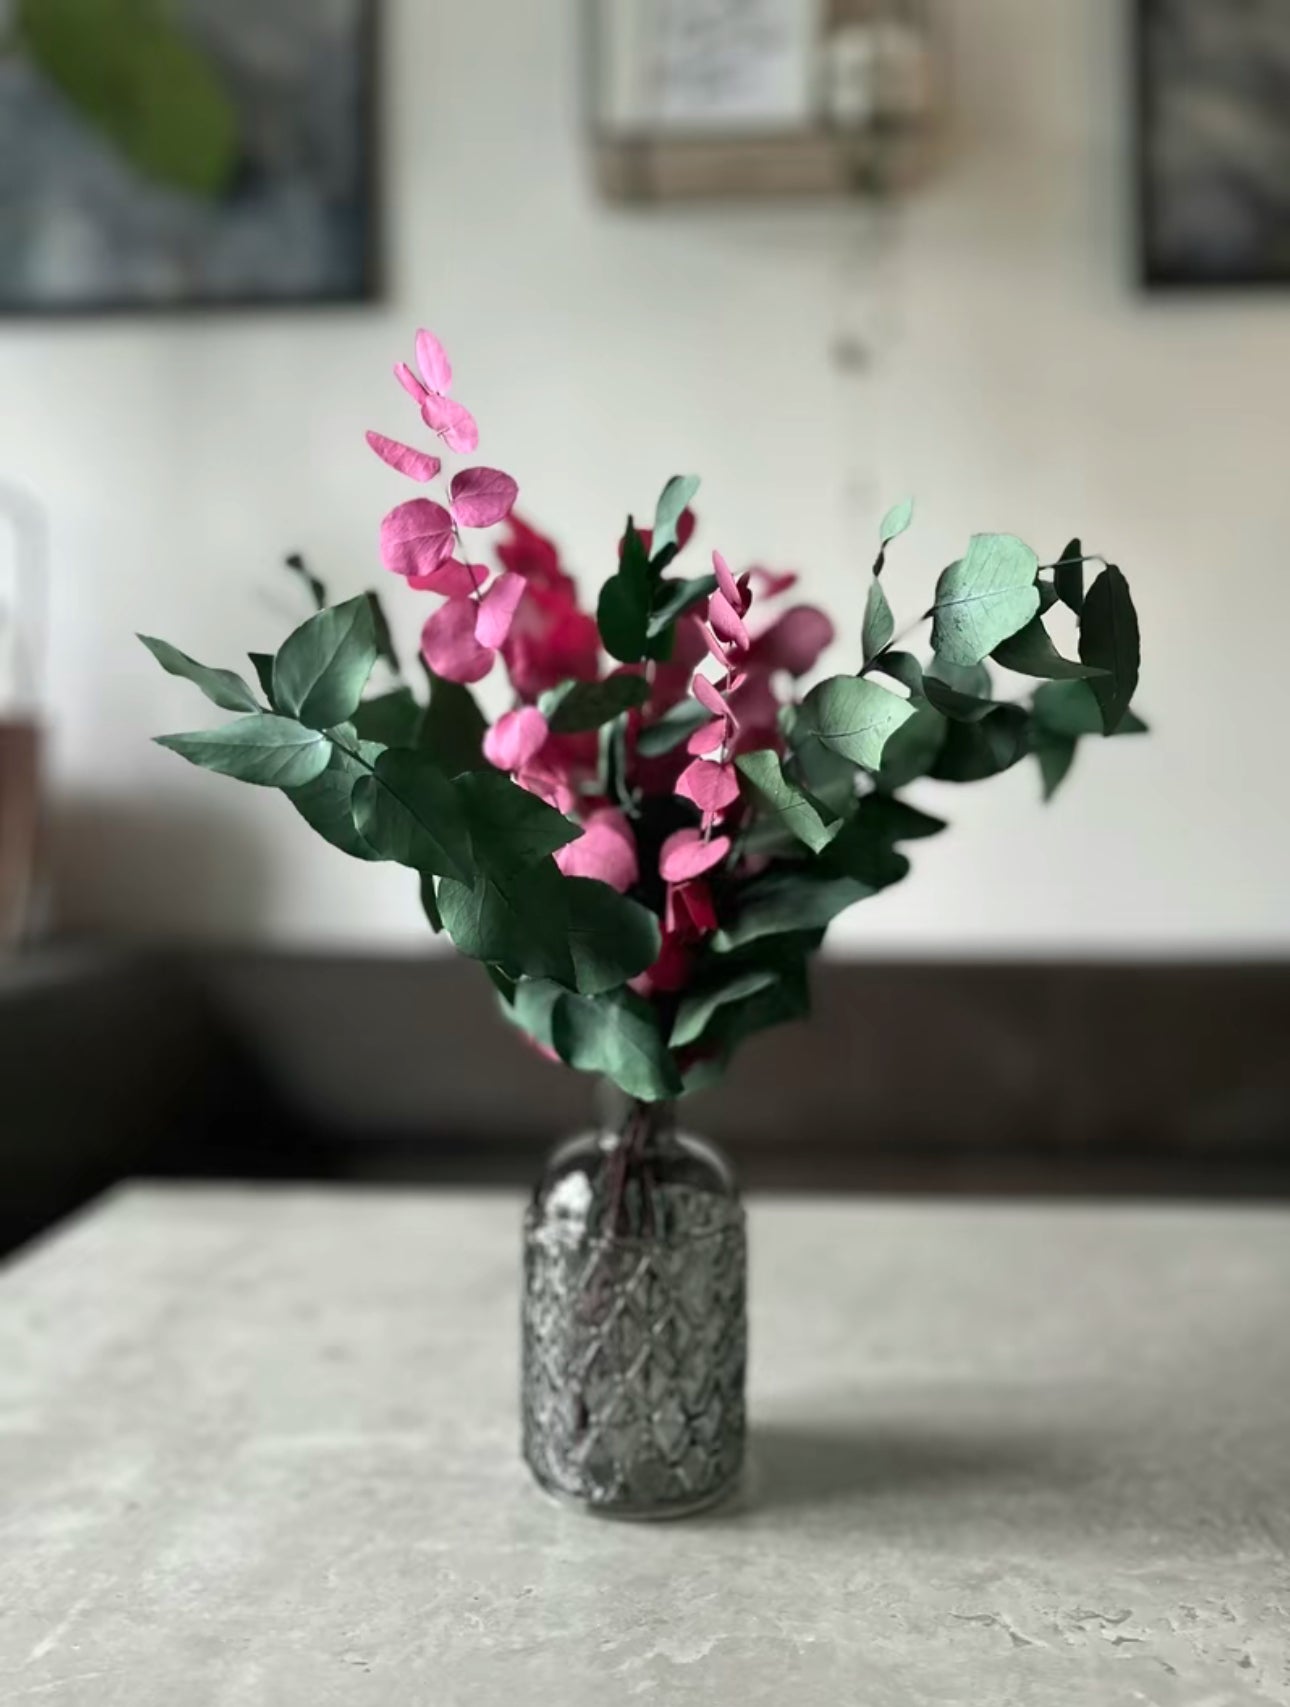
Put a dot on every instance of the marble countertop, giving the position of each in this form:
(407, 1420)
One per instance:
(258, 1449)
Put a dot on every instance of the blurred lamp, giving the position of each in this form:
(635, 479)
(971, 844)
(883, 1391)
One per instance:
(22, 569)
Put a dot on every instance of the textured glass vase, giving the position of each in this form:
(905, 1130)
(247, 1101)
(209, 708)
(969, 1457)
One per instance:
(635, 1337)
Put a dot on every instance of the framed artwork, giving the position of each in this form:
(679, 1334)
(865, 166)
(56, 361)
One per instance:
(1214, 141)
(173, 154)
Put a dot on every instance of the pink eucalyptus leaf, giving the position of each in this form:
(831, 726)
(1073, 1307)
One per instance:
(794, 642)
(482, 497)
(435, 367)
(497, 609)
(770, 584)
(710, 697)
(516, 738)
(716, 647)
(728, 623)
(712, 787)
(416, 537)
(694, 899)
(709, 737)
(416, 464)
(548, 784)
(451, 580)
(448, 643)
(453, 422)
(727, 585)
(685, 854)
(410, 383)
(605, 850)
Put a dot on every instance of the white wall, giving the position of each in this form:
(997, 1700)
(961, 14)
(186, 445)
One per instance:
(1019, 381)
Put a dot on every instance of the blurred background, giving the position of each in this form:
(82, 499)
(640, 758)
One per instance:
(1026, 260)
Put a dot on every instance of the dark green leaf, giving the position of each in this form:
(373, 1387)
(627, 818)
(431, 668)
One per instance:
(673, 598)
(1068, 577)
(409, 812)
(518, 922)
(327, 803)
(675, 726)
(453, 728)
(786, 999)
(575, 707)
(274, 752)
(1108, 638)
(321, 670)
(866, 854)
(699, 1007)
(313, 586)
(624, 608)
(430, 903)
(393, 719)
(782, 800)
(974, 751)
(1056, 755)
(897, 519)
(1069, 708)
(672, 504)
(913, 749)
(1030, 652)
(611, 937)
(982, 599)
(788, 901)
(224, 687)
(531, 1006)
(892, 820)
(262, 664)
(851, 716)
(1047, 596)
(619, 1037)
(902, 667)
(973, 679)
(879, 625)
(828, 779)
(385, 647)
(960, 707)
(509, 827)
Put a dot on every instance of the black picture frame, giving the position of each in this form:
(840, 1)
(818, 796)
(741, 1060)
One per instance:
(370, 283)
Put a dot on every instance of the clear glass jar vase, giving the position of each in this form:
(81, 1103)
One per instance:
(634, 1321)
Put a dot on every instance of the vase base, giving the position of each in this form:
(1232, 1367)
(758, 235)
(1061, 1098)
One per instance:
(641, 1513)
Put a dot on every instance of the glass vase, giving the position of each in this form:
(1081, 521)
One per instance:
(634, 1321)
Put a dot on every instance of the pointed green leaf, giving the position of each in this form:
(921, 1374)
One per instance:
(982, 599)
(327, 803)
(975, 751)
(518, 921)
(624, 608)
(788, 902)
(1069, 708)
(575, 707)
(1068, 577)
(902, 667)
(913, 749)
(509, 827)
(973, 679)
(321, 670)
(393, 719)
(273, 752)
(699, 1008)
(960, 707)
(1108, 638)
(1056, 755)
(851, 716)
(1030, 652)
(672, 504)
(782, 800)
(673, 598)
(410, 813)
(430, 903)
(879, 625)
(262, 664)
(676, 725)
(453, 728)
(386, 650)
(611, 937)
(531, 1007)
(224, 688)
(891, 820)
(618, 1036)
(897, 519)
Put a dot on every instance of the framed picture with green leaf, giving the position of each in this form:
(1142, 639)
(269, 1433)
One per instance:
(163, 154)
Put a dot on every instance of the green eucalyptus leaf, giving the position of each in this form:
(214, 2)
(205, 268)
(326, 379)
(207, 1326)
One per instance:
(327, 803)
(782, 800)
(410, 813)
(619, 1037)
(531, 1008)
(851, 716)
(611, 937)
(509, 827)
(393, 718)
(973, 679)
(673, 598)
(430, 902)
(779, 1003)
(1108, 638)
(224, 688)
(890, 820)
(974, 751)
(1070, 708)
(453, 728)
(321, 669)
(273, 752)
(983, 598)
(897, 519)
(673, 502)
(959, 707)
(623, 611)
(902, 667)
(1068, 577)
(386, 650)
(789, 901)
(675, 726)
(864, 853)
(262, 664)
(517, 921)
(879, 624)
(1047, 597)
(700, 1007)
(1056, 755)
(1030, 652)
(575, 707)
(913, 749)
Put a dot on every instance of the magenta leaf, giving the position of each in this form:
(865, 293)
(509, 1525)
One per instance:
(451, 580)
(606, 850)
(410, 383)
(482, 497)
(708, 737)
(416, 537)
(497, 609)
(710, 697)
(448, 643)
(416, 464)
(727, 622)
(516, 738)
(712, 787)
(685, 855)
(432, 359)
(727, 584)
(795, 641)
(454, 424)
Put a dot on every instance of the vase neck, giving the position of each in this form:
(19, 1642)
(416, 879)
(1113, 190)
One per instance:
(638, 1126)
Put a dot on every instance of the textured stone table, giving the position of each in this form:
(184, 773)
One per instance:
(257, 1449)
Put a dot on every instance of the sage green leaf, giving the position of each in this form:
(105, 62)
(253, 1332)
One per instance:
(782, 800)
(262, 664)
(1030, 652)
(1069, 708)
(619, 1037)
(982, 599)
(786, 999)
(676, 725)
(1056, 755)
(393, 718)
(273, 752)
(698, 1009)
(453, 728)
(611, 937)
(891, 820)
(913, 749)
(509, 827)
(902, 667)
(1108, 638)
(974, 751)
(623, 612)
(788, 901)
(673, 598)
(866, 854)
(960, 707)
(531, 1007)
(517, 921)
(410, 813)
(897, 519)
(673, 502)
(973, 679)
(327, 803)
(386, 650)
(320, 671)
(879, 624)
(1068, 577)
(575, 707)
(430, 903)
(828, 779)
(851, 716)
(224, 688)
